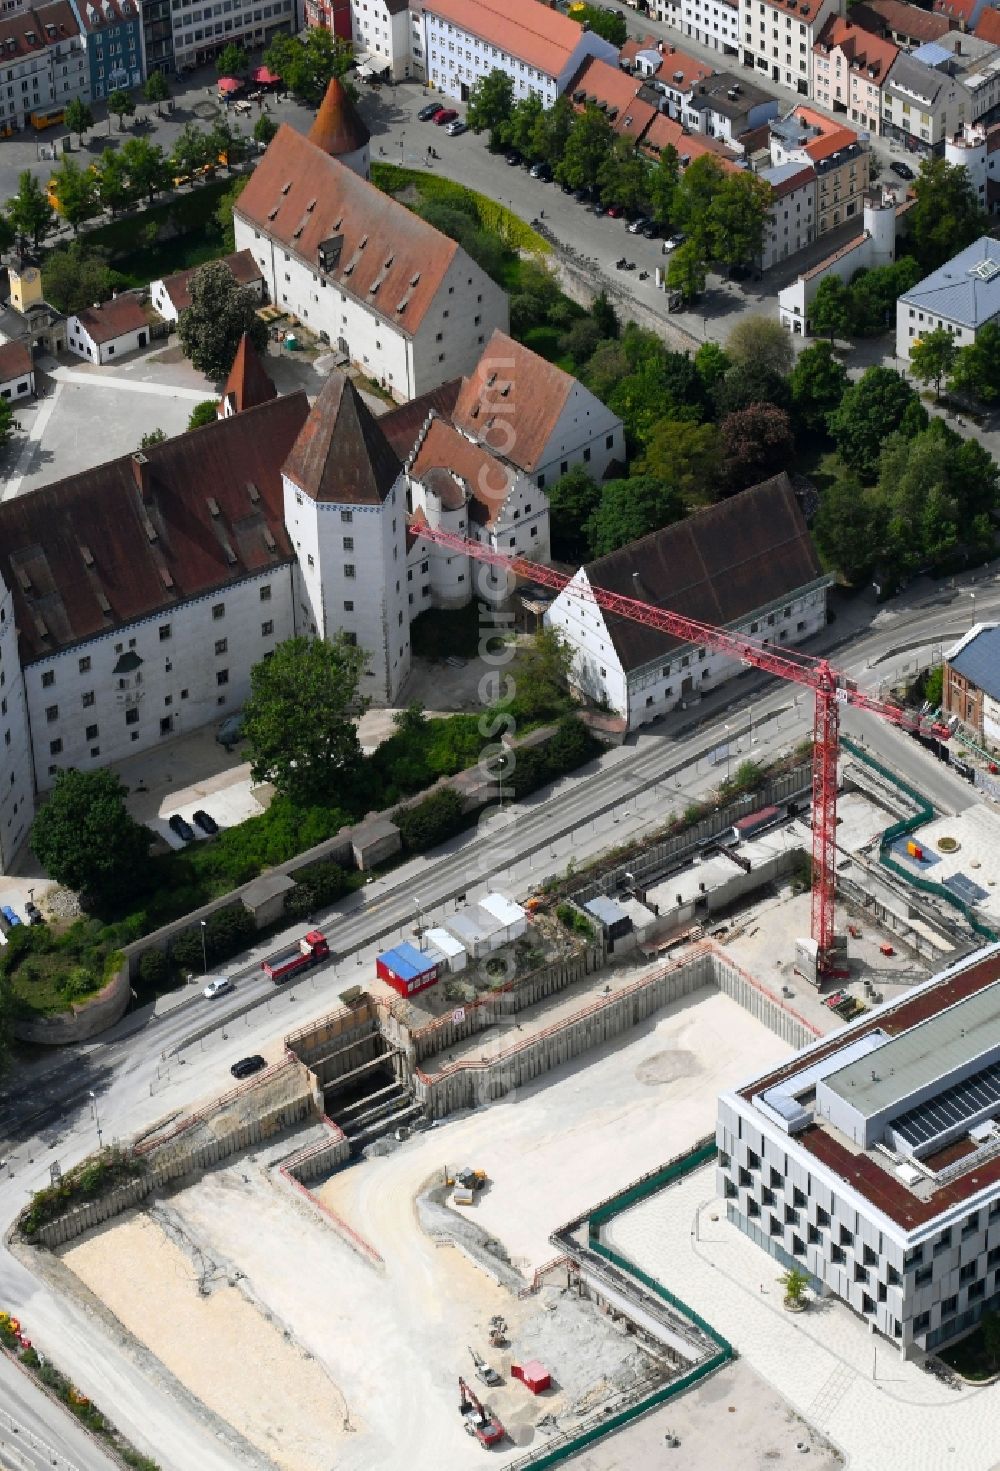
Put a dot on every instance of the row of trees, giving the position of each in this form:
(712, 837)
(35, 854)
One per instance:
(723, 212)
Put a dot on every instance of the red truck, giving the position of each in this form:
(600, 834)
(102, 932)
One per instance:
(309, 951)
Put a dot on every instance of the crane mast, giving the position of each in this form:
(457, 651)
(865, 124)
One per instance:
(830, 690)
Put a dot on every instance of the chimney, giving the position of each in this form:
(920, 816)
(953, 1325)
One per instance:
(140, 473)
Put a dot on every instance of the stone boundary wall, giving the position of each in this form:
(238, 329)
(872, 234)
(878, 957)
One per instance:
(83, 1019)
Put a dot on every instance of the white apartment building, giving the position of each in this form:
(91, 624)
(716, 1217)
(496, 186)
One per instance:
(539, 48)
(17, 784)
(778, 37)
(201, 30)
(792, 222)
(382, 34)
(43, 62)
(977, 150)
(959, 297)
(365, 273)
(875, 246)
(747, 563)
(715, 23)
(871, 1159)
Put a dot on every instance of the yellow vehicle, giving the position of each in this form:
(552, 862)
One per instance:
(48, 118)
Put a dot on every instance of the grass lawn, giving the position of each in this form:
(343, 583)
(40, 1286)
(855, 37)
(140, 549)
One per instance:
(544, 340)
(186, 227)
(492, 216)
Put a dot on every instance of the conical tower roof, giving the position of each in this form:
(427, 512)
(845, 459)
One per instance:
(248, 383)
(339, 127)
(341, 455)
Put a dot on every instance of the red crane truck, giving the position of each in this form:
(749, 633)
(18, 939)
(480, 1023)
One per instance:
(478, 1419)
(309, 951)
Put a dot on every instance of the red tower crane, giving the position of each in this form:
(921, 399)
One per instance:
(830, 688)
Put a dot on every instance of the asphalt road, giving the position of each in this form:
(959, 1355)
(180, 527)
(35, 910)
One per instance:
(37, 1435)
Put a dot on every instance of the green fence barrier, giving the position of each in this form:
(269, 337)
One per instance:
(639, 1190)
(909, 825)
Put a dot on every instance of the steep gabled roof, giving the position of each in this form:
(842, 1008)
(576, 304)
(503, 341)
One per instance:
(242, 267)
(341, 455)
(379, 252)
(133, 538)
(112, 320)
(524, 29)
(15, 361)
(988, 26)
(718, 566)
(402, 425)
(444, 454)
(512, 400)
(248, 383)
(338, 127)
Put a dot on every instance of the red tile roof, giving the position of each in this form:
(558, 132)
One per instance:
(389, 258)
(682, 71)
(134, 537)
(242, 267)
(805, 175)
(664, 131)
(33, 30)
(512, 400)
(112, 320)
(341, 455)
(619, 90)
(338, 127)
(401, 426)
(988, 26)
(96, 14)
(15, 361)
(488, 481)
(881, 16)
(526, 29)
(802, 12)
(859, 46)
(248, 383)
(716, 566)
(956, 10)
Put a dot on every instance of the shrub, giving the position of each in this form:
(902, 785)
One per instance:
(432, 821)
(30, 1358)
(153, 970)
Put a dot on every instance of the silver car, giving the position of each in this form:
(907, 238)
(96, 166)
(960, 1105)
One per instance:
(217, 986)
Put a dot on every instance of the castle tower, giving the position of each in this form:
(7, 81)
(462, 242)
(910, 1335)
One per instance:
(25, 284)
(880, 224)
(248, 383)
(340, 130)
(345, 510)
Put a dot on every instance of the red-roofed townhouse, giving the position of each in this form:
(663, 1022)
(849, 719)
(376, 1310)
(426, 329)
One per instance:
(778, 37)
(839, 156)
(539, 49)
(792, 222)
(988, 26)
(849, 69)
(17, 371)
(111, 331)
(43, 64)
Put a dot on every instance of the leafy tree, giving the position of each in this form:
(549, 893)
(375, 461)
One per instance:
(686, 458)
(78, 117)
(521, 128)
(605, 370)
(121, 106)
(6, 421)
(977, 366)
(661, 383)
(307, 64)
(757, 442)
(491, 102)
(737, 218)
(572, 501)
(147, 167)
(699, 184)
(947, 215)
(552, 130)
(224, 210)
(712, 362)
(209, 330)
(624, 176)
(232, 61)
(151, 437)
(879, 404)
(76, 194)
(581, 339)
(932, 357)
(298, 722)
(664, 178)
(934, 685)
(192, 150)
(607, 23)
(763, 341)
(6, 233)
(30, 215)
(114, 188)
(846, 528)
(937, 491)
(541, 675)
(203, 413)
(750, 383)
(226, 145)
(86, 839)
(587, 147)
(630, 509)
(872, 295)
(686, 271)
(604, 316)
(156, 90)
(75, 278)
(818, 382)
(264, 129)
(830, 313)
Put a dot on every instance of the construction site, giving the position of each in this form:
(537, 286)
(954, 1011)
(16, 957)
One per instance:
(401, 1243)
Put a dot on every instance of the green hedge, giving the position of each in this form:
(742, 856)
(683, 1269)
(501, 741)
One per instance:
(491, 215)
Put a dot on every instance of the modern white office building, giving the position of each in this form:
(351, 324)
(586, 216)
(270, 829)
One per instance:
(871, 1160)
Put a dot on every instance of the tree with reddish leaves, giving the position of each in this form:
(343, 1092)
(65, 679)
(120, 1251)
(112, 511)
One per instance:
(757, 442)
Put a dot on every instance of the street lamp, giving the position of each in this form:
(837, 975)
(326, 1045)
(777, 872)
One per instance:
(729, 753)
(97, 1121)
(501, 763)
(204, 949)
(973, 597)
(401, 137)
(420, 922)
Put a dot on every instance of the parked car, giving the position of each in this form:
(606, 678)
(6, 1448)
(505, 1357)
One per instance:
(456, 126)
(649, 229)
(581, 196)
(32, 911)
(597, 208)
(672, 242)
(230, 732)
(217, 986)
(247, 1066)
(183, 829)
(635, 226)
(430, 111)
(446, 115)
(205, 821)
(512, 159)
(567, 188)
(614, 211)
(901, 170)
(541, 170)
